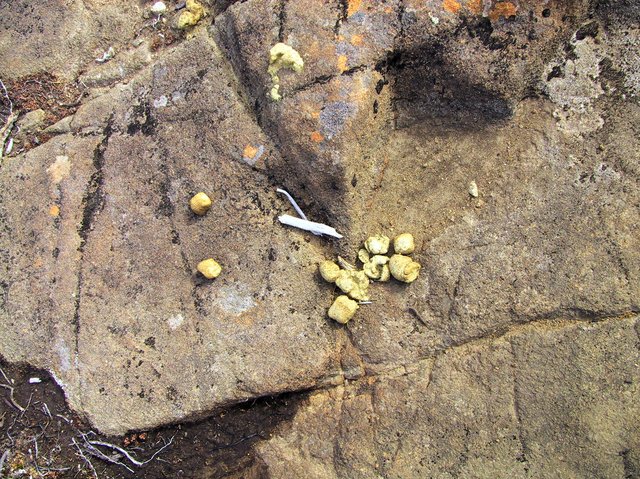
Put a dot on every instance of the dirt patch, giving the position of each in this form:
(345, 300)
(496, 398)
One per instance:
(43, 438)
(44, 91)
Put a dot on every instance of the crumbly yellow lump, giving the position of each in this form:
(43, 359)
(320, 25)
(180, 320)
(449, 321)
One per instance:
(404, 244)
(354, 283)
(209, 268)
(329, 271)
(378, 244)
(192, 14)
(282, 56)
(343, 309)
(200, 203)
(404, 268)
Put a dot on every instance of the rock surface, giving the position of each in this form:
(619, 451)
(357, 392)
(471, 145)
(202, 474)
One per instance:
(514, 354)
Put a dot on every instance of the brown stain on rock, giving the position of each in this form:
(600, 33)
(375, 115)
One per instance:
(474, 6)
(342, 63)
(54, 210)
(503, 9)
(353, 6)
(250, 151)
(451, 6)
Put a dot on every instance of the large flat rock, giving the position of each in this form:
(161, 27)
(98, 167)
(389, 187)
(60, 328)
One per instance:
(512, 355)
(545, 400)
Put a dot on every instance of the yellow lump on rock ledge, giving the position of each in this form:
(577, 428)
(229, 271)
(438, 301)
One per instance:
(200, 203)
(192, 14)
(329, 271)
(209, 268)
(343, 309)
(404, 244)
(404, 268)
(354, 283)
(374, 268)
(378, 244)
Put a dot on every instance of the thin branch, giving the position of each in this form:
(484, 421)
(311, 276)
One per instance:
(117, 448)
(85, 458)
(11, 398)
(5, 130)
(94, 451)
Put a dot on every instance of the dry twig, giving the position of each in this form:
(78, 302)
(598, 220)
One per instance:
(5, 130)
(10, 388)
(85, 458)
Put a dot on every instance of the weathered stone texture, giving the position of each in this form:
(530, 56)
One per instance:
(514, 354)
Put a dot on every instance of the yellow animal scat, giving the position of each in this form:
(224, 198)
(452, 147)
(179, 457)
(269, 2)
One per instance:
(343, 309)
(193, 13)
(354, 283)
(200, 203)
(209, 268)
(281, 56)
(195, 7)
(363, 256)
(386, 273)
(374, 268)
(274, 93)
(404, 268)
(404, 243)
(377, 244)
(329, 271)
(187, 19)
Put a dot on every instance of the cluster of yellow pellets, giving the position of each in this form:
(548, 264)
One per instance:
(200, 203)
(192, 14)
(376, 265)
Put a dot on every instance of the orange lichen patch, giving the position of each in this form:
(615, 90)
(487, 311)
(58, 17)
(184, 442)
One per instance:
(342, 63)
(340, 38)
(38, 263)
(250, 151)
(353, 6)
(503, 9)
(357, 40)
(317, 137)
(475, 6)
(315, 114)
(451, 6)
(54, 210)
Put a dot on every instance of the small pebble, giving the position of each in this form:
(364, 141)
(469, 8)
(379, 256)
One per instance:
(473, 189)
(159, 8)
